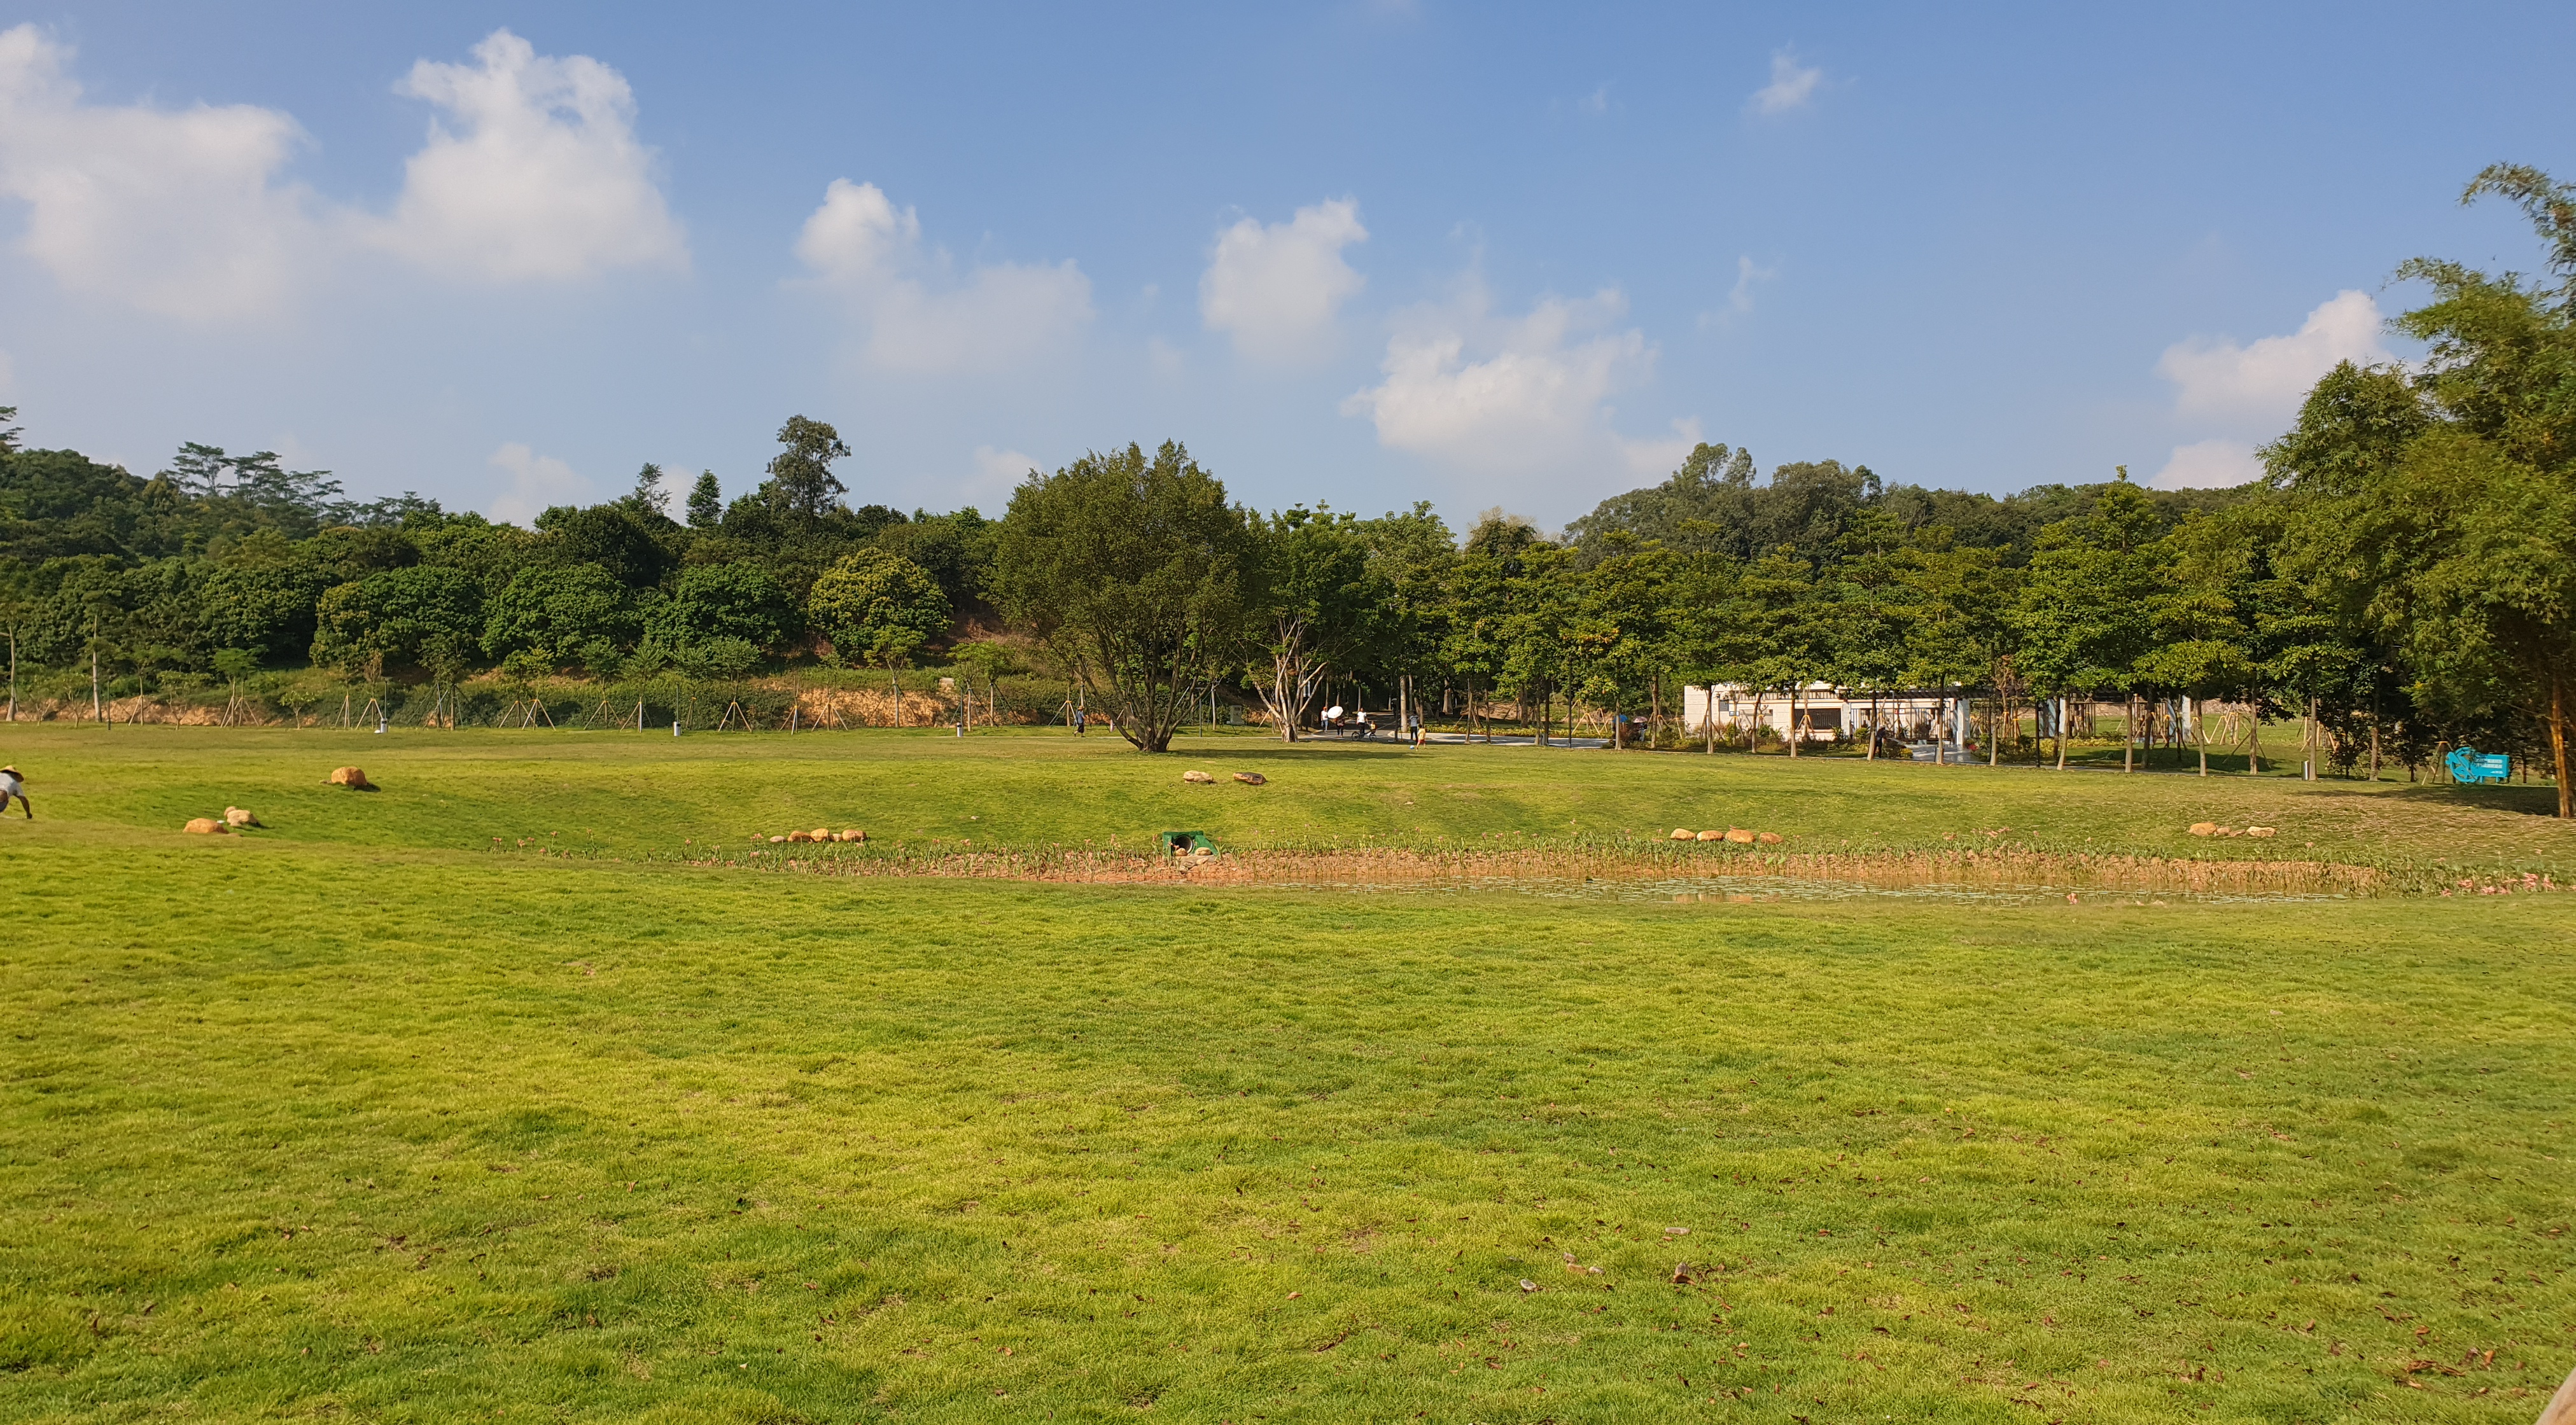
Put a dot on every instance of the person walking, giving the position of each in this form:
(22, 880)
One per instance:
(14, 785)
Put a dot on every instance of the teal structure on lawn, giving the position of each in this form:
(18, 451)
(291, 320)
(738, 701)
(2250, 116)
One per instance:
(2469, 767)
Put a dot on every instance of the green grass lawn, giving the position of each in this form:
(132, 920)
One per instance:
(355, 1118)
(634, 795)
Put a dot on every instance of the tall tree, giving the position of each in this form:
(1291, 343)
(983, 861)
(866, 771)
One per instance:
(2083, 616)
(1133, 570)
(648, 497)
(706, 502)
(1314, 610)
(801, 484)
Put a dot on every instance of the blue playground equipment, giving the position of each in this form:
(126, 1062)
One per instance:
(2469, 767)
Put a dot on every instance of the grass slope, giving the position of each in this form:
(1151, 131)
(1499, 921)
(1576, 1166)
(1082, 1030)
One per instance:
(630, 795)
(352, 1121)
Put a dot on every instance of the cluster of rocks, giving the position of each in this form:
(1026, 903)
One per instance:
(234, 819)
(1198, 778)
(821, 833)
(1736, 834)
(2211, 828)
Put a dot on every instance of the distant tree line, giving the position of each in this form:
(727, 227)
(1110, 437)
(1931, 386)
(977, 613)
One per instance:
(2404, 576)
(230, 555)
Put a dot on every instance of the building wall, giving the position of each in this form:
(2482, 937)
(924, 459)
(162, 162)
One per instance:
(1834, 716)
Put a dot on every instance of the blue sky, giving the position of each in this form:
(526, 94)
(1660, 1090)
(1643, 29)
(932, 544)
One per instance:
(1367, 253)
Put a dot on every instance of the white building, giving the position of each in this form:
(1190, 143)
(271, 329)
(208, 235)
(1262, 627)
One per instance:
(1825, 713)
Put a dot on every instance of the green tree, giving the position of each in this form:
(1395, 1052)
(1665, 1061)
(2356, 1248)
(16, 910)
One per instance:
(737, 600)
(1314, 610)
(420, 617)
(1540, 658)
(1775, 635)
(956, 548)
(2202, 641)
(880, 607)
(1410, 555)
(801, 485)
(570, 614)
(1133, 571)
(2083, 618)
(1474, 607)
(616, 537)
(706, 502)
(259, 597)
(1623, 636)
(648, 499)
(2448, 524)
(992, 661)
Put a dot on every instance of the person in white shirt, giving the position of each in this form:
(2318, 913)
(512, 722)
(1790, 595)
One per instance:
(14, 785)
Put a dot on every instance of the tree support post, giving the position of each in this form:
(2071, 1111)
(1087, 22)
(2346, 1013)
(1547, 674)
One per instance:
(2558, 744)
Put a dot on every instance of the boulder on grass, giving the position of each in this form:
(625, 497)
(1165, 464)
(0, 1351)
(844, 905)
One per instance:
(1196, 776)
(207, 826)
(776, 839)
(1739, 836)
(820, 833)
(352, 778)
(1712, 836)
(2263, 831)
(2204, 828)
(1250, 779)
(1769, 838)
(798, 836)
(239, 816)
(851, 834)
(1683, 833)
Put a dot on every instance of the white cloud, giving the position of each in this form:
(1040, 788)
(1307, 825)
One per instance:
(2265, 381)
(1658, 457)
(1506, 396)
(1791, 86)
(1595, 103)
(997, 473)
(1739, 298)
(178, 212)
(1008, 465)
(536, 482)
(541, 177)
(185, 213)
(861, 247)
(1276, 289)
(2208, 464)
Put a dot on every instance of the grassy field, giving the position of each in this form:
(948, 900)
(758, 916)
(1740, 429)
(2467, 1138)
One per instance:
(356, 1118)
(652, 795)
